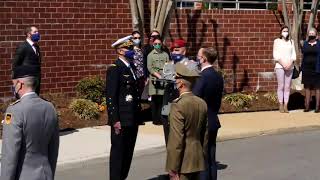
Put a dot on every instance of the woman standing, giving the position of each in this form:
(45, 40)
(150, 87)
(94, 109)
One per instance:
(155, 63)
(284, 56)
(311, 68)
(138, 60)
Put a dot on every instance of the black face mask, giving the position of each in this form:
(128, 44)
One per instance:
(312, 37)
(15, 94)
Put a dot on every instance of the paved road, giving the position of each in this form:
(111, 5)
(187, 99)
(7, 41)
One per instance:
(294, 156)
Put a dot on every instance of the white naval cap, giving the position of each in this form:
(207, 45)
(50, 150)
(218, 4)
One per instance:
(123, 42)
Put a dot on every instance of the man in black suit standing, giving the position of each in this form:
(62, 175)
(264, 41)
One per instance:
(28, 53)
(123, 101)
(210, 88)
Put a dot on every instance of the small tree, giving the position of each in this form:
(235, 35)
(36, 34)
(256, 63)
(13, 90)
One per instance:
(159, 17)
(295, 25)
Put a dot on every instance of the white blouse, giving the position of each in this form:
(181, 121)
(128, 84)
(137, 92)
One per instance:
(284, 51)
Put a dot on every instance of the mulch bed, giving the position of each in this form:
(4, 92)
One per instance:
(67, 120)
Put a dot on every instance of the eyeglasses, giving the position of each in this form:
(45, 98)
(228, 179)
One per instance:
(136, 37)
(157, 44)
(154, 36)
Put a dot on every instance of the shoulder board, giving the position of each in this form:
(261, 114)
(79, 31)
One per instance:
(112, 65)
(176, 100)
(15, 102)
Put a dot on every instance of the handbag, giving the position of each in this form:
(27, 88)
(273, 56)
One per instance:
(296, 72)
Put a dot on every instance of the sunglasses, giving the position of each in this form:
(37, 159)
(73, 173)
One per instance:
(136, 37)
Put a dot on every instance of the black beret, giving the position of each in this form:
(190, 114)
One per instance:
(26, 71)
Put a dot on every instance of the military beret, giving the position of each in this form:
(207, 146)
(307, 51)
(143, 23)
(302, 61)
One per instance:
(178, 43)
(25, 71)
(124, 42)
(183, 71)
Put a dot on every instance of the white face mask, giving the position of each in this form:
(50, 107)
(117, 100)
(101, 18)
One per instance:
(285, 34)
(136, 42)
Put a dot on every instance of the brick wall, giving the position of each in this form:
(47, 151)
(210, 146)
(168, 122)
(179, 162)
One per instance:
(76, 38)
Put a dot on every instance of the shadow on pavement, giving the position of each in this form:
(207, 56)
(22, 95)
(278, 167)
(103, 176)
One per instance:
(166, 176)
(161, 177)
(221, 166)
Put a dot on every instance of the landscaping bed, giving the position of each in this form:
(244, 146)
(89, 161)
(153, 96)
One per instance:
(68, 120)
(88, 108)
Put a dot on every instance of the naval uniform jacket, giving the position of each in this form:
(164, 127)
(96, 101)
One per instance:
(122, 93)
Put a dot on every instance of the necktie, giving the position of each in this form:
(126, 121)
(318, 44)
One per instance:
(36, 49)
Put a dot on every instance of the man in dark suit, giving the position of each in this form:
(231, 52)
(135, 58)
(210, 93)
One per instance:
(123, 101)
(28, 54)
(210, 88)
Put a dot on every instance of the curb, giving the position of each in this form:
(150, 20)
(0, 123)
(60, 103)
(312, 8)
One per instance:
(104, 158)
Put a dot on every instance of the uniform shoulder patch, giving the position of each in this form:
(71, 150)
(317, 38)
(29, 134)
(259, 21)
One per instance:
(15, 102)
(8, 118)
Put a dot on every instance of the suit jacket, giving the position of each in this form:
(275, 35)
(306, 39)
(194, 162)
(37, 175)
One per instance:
(209, 87)
(25, 56)
(187, 144)
(122, 94)
(30, 140)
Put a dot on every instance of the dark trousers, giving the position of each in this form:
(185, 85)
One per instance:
(166, 127)
(190, 176)
(156, 107)
(122, 148)
(212, 169)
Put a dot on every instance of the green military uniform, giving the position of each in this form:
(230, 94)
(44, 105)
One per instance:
(188, 132)
(155, 63)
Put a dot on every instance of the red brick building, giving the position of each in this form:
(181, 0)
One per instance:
(76, 38)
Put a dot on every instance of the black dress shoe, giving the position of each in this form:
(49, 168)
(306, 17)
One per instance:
(316, 111)
(306, 110)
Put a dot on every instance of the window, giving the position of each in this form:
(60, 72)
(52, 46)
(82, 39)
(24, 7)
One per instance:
(228, 4)
(252, 4)
(183, 4)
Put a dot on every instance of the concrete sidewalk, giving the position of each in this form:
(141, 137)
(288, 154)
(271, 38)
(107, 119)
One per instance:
(85, 144)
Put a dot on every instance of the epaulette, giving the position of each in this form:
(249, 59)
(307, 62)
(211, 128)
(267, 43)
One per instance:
(176, 100)
(111, 66)
(15, 102)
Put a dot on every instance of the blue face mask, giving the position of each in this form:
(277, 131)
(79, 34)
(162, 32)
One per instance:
(35, 37)
(177, 57)
(129, 54)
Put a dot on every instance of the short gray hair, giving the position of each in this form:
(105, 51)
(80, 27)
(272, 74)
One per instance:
(30, 82)
(313, 29)
(187, 84)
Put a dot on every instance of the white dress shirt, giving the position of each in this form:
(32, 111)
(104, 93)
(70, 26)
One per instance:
(32, 45)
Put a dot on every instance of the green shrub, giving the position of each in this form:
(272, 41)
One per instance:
(84, 109)
(271, 96)
(239, 100)
(91, 88)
